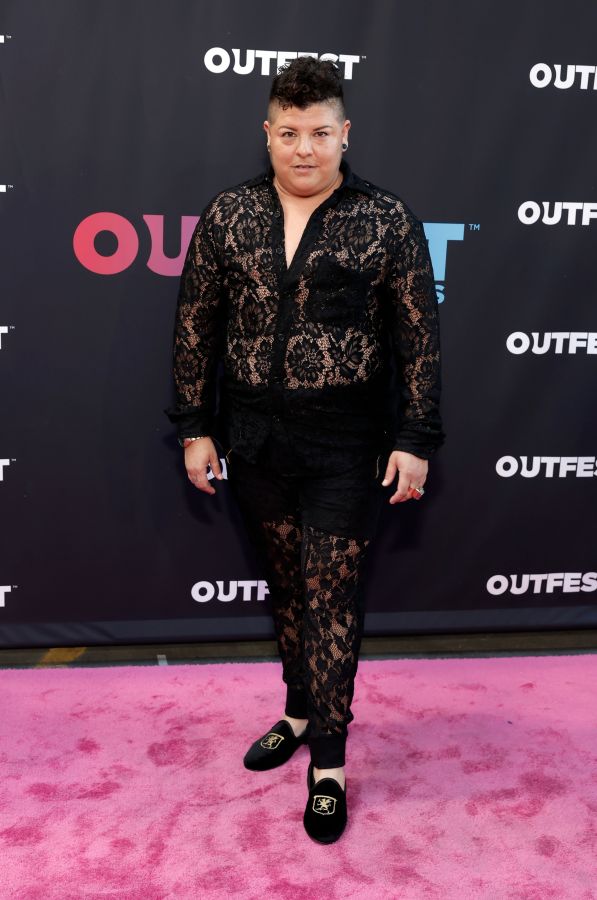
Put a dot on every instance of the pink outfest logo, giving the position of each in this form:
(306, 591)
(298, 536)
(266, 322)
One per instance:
(127, 247)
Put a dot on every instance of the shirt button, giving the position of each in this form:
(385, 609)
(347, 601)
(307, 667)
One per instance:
(280, 335)
(275, 418)
(278, 249)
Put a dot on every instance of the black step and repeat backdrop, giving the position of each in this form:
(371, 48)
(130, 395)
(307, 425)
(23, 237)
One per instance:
(119, 122)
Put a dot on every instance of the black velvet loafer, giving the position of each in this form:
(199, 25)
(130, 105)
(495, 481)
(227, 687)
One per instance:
(275, 747)
(325, 814)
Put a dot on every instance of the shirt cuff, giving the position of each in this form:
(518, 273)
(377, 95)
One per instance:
(422, 443)
(190, 421)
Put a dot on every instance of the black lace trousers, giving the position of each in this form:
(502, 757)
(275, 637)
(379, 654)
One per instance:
(311, 523)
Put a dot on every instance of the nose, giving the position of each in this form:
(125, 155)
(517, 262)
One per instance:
(304, 145)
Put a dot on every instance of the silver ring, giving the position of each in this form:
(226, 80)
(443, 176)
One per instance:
(418, 490)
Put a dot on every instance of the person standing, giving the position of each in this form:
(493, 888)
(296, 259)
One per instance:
(315, 288)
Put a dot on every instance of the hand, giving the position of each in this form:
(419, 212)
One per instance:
(413, 471)
(197, 456)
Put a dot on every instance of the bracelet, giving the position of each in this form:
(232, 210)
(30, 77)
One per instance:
(182, 443)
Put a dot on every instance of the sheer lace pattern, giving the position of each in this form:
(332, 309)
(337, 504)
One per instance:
(334, 582)
(282, 550)
(316, 586)
(313, 536)
(312, 341)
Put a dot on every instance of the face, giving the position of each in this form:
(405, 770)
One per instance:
(306, 146)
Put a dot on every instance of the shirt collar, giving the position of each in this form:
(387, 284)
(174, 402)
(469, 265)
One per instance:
(351, 180)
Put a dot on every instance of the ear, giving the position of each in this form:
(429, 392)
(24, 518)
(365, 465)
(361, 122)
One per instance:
(345, 129)
(266, 127)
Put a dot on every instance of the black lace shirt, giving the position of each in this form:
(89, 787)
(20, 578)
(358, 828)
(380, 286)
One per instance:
(342, 347)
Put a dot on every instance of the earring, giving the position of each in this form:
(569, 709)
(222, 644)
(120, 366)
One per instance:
(344, 145)
(268, 147)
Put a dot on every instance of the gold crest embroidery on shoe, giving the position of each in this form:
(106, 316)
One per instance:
(323, 804)
(272, 740)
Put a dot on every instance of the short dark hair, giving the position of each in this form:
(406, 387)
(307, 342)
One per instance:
(306, 80)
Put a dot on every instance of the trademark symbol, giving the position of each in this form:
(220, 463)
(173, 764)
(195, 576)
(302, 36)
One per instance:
(474, 227)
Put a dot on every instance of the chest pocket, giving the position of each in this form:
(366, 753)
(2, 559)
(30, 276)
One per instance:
(337, 294)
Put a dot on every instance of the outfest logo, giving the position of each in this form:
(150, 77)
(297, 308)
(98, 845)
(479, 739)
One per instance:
(545, 582)
(226, 591)
(554, 212)
(548, 466)
(127, 239)
(245, 62)
(542, 342)
(127, 243)
(584, 78)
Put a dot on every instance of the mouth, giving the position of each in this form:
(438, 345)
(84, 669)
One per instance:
(303, 166)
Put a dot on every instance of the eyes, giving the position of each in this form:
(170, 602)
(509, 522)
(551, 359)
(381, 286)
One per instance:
(290, 134)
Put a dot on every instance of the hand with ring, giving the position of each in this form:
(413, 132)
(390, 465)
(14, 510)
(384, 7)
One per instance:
(412, 471)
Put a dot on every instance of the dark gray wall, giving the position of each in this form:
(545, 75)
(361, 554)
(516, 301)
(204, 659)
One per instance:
(112, 120)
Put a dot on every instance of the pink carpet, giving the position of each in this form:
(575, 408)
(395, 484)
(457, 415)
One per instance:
(467, 778)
